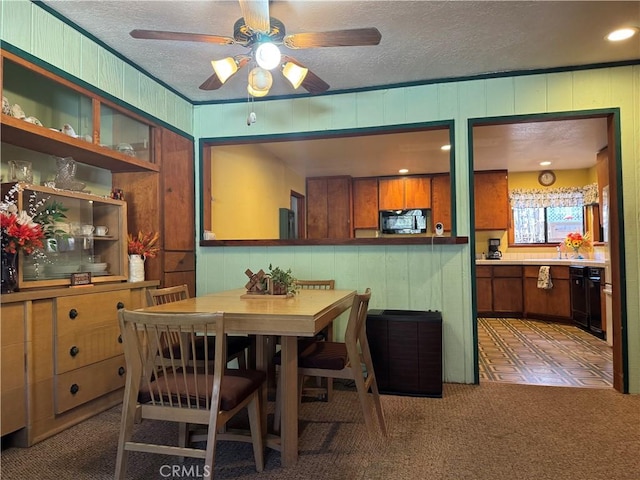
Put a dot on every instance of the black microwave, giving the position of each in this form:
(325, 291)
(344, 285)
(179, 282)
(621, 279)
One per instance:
(404, 221)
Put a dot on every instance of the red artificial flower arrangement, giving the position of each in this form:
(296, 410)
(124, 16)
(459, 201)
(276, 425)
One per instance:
(144, 244)
(19, 231)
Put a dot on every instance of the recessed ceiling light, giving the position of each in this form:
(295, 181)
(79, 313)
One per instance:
(403, 170)
(545, 164)
(622, 34)
(446, 148)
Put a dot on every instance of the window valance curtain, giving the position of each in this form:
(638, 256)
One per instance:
(554, 197)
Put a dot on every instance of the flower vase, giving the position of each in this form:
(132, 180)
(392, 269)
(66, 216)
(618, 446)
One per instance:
(576, 254)
(136, 268)
(9, 272)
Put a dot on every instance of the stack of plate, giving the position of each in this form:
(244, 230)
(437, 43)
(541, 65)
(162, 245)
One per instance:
(94, 267)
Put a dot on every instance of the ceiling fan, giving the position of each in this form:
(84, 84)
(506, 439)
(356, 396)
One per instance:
(261, 35)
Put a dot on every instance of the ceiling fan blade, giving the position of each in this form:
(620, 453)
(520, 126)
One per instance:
(180, 36)
(311, 83)
(337, 38)
(214, 83)
(211, 83)
(256, 14)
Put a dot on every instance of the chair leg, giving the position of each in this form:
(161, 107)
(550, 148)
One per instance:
(277, 412)
(378, 405)
(255, 424)
(364, 398)
(129, 414)
(242, 360)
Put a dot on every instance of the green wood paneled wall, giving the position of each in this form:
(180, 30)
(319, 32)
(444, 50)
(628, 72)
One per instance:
(32, 29)
(424, 277)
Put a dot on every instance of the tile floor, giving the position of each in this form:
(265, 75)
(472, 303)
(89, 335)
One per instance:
(542, 353)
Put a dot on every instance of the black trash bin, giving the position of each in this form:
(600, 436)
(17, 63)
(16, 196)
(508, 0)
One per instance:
(406, 346)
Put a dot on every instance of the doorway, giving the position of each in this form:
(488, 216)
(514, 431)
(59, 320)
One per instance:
(525, 346)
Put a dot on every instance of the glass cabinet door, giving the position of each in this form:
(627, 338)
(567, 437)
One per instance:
(87, 233)
(42, 101)
(124, 134)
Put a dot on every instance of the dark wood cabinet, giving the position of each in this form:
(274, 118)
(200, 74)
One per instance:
(553, 303)
(499, 290)
(491, 198)
(165, 202)
(441, 201)
(400, 193)
(365, 203)
(329, 207)
(406, 349)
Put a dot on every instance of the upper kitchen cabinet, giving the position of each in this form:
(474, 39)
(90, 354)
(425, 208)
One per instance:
(365, 203)
(404, 193)
(441, 200)
(329, 207)
(49, 114)
(491, 195)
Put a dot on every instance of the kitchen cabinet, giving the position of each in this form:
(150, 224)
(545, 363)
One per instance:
(12, 364)
(553, 303)
(329, 207)
(365, 203)
(400, 193)
(491, 200)
(70, 347)
(441, 200)
(499, 290)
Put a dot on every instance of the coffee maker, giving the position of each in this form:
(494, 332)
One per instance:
(494, 249)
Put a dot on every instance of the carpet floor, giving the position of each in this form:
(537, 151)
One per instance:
(492, 431)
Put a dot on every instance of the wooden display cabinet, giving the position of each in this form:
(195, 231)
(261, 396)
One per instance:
(71, 251)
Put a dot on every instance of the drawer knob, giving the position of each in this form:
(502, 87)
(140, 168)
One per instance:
(74, 389)
(73, 313)
(120, 338)
(121, 371)
(120, 306)
(73, 351)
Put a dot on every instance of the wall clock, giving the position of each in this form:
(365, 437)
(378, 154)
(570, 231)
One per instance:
(547, 178)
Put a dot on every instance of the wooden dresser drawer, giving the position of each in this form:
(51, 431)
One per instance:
(483, 271)
(87, 311)
(86, 346)
(87, 383)
(510, 271)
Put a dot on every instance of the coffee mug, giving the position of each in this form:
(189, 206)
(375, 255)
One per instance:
(101, 230)
(87, 229)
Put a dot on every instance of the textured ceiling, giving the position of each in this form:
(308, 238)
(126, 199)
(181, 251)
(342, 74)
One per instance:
(421, 41)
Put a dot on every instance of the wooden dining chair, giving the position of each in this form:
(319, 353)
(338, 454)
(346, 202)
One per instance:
(173, 390)
(238, 347)
(345, 360)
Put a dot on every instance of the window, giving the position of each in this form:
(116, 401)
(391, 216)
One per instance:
(546, 224)
(547, 216)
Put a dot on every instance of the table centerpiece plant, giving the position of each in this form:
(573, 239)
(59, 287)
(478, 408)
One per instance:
(281, 282)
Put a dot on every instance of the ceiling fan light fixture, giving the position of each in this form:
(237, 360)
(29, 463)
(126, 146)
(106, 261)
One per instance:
(224, 68)
(260, 79)
(294, 73)
(268, 55)
(257, 93)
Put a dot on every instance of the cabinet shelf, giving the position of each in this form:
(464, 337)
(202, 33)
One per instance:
(44, 140)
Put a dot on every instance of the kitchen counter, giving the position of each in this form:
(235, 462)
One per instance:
(586, 262)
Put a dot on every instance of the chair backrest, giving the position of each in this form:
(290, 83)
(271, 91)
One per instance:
(316, 284)
(171, 380)
(356, 326)
(160, 296)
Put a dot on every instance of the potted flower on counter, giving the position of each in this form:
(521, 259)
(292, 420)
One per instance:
(140, 248)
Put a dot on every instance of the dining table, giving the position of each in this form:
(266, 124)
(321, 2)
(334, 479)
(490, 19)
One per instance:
(304, 314)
